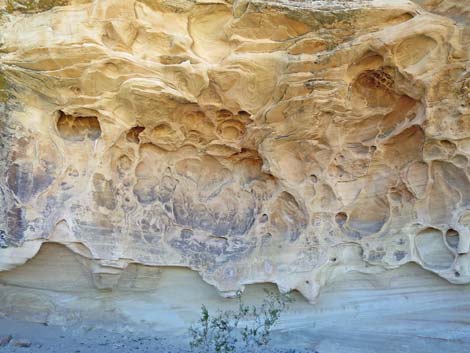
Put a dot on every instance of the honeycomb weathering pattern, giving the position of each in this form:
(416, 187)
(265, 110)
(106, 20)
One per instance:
(253, 141)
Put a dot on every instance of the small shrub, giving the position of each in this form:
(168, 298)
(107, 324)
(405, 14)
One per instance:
(247, 328)
(3, 89)
(30, 6)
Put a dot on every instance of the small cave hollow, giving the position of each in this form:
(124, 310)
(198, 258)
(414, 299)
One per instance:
(134, 133)
(431, 249)
(341, 218)
(375, 87)
(78, 128)
(377, 79)
(452, 238)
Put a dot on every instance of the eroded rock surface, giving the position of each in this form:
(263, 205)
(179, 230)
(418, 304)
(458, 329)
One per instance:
(254, 141)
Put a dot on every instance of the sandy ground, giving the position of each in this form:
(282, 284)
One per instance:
(56, 339)
(364, 338)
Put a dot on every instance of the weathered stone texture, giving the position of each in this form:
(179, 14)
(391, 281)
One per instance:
(251, 141)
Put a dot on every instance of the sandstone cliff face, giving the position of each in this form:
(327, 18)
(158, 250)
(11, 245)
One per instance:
(251, 141)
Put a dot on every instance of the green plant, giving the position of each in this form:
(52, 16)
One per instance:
(3, 89)
(247, 328)
(33, 5)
